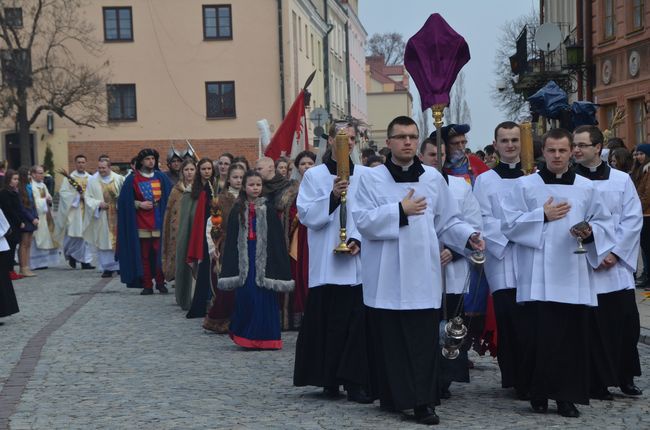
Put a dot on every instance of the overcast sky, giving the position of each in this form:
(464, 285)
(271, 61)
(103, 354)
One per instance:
(478, 21)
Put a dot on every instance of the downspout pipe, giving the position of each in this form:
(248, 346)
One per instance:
(281, 53)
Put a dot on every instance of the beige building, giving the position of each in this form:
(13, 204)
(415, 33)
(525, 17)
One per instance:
(197, 71)
(388, 96)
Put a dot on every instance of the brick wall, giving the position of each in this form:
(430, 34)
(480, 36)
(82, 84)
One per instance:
(124, 151)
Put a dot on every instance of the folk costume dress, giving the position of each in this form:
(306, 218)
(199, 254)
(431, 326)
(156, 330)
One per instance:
(223, 303)
(70, 219)
(100, 225)
(138, 240)
(556, 286)
(171, 226)
(256, 265)
(500, 267)
(402, 277)
(615, 325)
(8, 303)
(332, 346)
(45, 250)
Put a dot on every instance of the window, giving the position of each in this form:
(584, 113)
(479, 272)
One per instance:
(118, 24)
(217, 22)
(610, 110)
(14, 17)
(16, 67)
(220, 99)
(638, 120)
(306, 42)
(637, 14)
(313, 54)
(610, 26)
(300, 33)
(121, 102)
(320, 53)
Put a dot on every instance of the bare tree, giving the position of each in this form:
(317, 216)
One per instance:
(40, 73)
(458, 110)
(513, 104)
(390, 45)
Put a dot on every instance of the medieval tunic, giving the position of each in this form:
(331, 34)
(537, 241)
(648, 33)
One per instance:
(490, 189)
(70, 219)
(8, 303)
(402, 277)
(44, 252)
(615, 325)
(457, 278)
(256, 264)
(184, 281)
(556, 283)
(331, 348)
(100, 225)
(170, 229)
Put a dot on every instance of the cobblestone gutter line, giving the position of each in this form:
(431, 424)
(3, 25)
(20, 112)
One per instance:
(13, 388)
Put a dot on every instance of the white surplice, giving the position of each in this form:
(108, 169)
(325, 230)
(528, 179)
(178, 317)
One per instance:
(619, 195)
(548, 268)
(490, 189)
(402, 264)
(323, 227)
(70, 214)
(457, 271)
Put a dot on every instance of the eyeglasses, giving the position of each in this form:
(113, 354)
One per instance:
(584, 145)
(405, 136)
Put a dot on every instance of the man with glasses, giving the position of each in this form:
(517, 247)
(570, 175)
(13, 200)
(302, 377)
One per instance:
(615, 325)
(401, 209)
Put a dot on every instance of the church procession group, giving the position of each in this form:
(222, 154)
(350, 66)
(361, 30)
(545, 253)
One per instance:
(250, 250)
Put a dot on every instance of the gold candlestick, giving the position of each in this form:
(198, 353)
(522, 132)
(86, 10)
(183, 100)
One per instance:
(527, 150)
(342, 150)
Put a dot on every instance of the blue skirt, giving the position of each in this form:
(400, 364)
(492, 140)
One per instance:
(255, 322)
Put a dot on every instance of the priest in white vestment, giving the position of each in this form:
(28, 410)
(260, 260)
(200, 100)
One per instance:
(100, 219)
(69, 219)
(45, 250)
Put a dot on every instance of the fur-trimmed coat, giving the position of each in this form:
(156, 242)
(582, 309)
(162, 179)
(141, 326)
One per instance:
(272, 266)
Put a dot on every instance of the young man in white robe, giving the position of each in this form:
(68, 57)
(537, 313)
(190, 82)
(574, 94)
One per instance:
(553, 281)
(615, 325)
(401, 209)
(45, 250)
(456, 266)
(500, 266)
(70, 218)
(100, 219)
(331, 349)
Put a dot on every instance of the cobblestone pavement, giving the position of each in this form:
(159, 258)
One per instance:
(124, 361)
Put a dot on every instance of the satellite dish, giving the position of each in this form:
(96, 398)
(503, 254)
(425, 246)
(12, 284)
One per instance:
(548, 37)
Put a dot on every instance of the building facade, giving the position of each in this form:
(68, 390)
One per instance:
(356, 35)
(388, 96)
(200, 72)
(621, 61)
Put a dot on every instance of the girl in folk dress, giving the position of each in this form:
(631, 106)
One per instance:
(256, 264)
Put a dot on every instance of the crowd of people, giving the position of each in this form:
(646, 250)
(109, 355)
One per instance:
(538, 266)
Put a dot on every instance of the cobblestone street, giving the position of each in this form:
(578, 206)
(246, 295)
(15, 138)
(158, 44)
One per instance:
(124, 361)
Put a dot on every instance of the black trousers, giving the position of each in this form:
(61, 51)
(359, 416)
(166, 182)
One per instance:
(332, 347)
(405, 359)
(512, 330)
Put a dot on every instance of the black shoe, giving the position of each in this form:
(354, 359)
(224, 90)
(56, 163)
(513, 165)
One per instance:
(521, 395)
(567, 409)
(445, 393)
(358, 395)
(426, 415)
(631, 389)
(387, 407)
(87, 266)
(72, 262)
(641, 281)
(146, 292)
(331, 392)
(162, 289)
(539, 406)
(41, 268)
(107, 274)
(601, 394)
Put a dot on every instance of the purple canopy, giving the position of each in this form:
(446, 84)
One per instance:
(433, 58)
